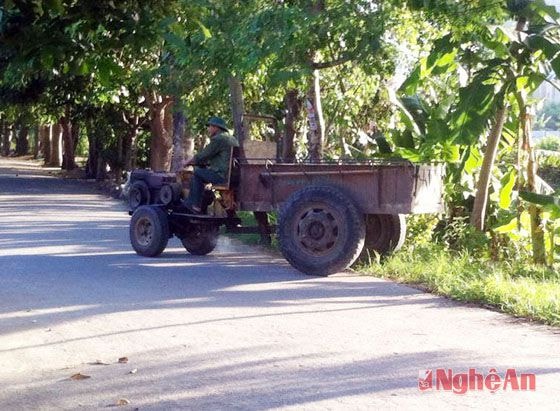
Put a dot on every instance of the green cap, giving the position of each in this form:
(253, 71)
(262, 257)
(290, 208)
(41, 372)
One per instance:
(218, 122)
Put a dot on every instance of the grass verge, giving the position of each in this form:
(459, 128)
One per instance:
(521, 289)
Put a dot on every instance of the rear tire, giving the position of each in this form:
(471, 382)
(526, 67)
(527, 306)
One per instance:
(320, 230)
(149, 231)
(201, 240)
(385, 233)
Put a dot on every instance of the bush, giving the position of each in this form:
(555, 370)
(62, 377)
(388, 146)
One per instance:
(551, 143)
(457, 234)
(420, 228)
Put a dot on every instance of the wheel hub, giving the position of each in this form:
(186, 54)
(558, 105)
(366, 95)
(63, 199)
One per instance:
(144, 231)
(317, 230)
(166, 195)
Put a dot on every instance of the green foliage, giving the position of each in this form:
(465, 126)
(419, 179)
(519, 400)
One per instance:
(517, 6)
(458, 234)
(549, 116)
(248, 220)
(420, 229)
(552, 203)
(551, 143)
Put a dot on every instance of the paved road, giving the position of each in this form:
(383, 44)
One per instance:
(239, 329)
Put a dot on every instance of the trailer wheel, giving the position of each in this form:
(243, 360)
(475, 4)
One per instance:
(385, 232)
(320, 230)
(149, 231)
(138, 195)
(201, 240)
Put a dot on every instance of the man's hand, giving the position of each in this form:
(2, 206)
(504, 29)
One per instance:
(188, 162)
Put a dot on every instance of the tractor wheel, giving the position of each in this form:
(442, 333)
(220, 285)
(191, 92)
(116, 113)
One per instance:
(320, 230)
(149, 231)
(169, 193)
(139, 195)
(201, 240)
(385, 232)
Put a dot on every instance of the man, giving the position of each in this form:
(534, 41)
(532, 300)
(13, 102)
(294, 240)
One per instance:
(211, 163)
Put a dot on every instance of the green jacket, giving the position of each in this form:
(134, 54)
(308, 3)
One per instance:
(216, 154)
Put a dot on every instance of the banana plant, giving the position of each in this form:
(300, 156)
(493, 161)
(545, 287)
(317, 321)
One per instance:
(505, 65)
(551, 207)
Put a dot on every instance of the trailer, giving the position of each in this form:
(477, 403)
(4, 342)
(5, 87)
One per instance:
(328, 212)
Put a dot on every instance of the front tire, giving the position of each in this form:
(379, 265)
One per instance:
(149, 231)
(320, 230)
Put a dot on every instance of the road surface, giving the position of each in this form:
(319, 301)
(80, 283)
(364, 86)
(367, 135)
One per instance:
(238, 329)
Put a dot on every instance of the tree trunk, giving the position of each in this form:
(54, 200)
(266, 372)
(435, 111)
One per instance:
(22, 141)
(129, 144)
(535, 211)
(68, 161)
(46, 135)
(75, 130)
(316, 130)
(118, 166)
(91, 164)
(162, 141)
(100, 168)
(315, 119)
(6, 138)
(2, 133)
(179, 121)
(189, 143)
(36, 141)
(56, 140)
(293, 109)
(478, 215)
(237, 108)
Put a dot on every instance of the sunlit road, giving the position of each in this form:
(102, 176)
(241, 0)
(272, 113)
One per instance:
(238, 329)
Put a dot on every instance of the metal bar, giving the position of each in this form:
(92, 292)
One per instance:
(201, 218)
(248, 230)
(314, 173)
(304, 165)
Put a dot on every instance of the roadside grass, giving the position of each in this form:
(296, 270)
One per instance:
(521, 289)
(248, 220)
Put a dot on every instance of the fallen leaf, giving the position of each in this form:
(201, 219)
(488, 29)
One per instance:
(134, 371)
(123, 360)
(79, 377)
(99, 362)
(123, 401)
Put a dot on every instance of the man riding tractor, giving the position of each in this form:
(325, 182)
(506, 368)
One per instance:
(211, 164)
